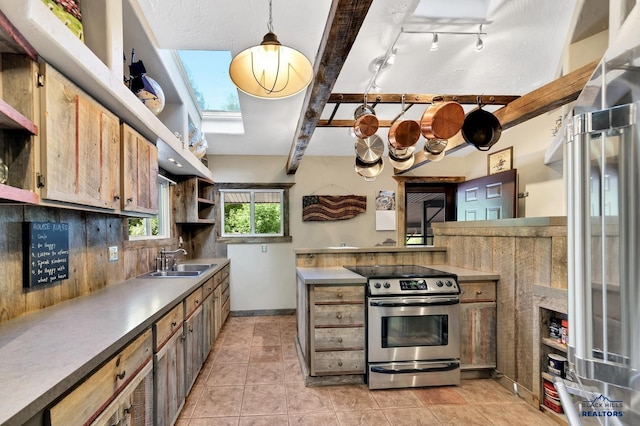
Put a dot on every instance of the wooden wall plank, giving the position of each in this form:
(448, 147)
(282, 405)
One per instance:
(526, 274)
(96, 251)
(504, 264)
(12, 299)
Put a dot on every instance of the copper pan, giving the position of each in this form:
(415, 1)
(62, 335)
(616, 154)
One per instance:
(442, 120)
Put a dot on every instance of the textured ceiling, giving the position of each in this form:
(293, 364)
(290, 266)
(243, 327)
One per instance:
(523, 50)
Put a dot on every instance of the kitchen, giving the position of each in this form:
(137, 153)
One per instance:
(270, 270)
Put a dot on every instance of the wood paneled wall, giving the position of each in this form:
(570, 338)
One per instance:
(363, 258)
(90, 235)
(524, 252)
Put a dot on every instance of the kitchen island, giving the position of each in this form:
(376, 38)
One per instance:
(47, 353)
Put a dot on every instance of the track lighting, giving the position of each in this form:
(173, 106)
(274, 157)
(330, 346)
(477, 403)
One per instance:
(434, 42)
(479, 44)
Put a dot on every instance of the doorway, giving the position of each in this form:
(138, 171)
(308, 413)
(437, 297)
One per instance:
(425, 204)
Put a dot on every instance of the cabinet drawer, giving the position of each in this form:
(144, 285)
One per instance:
(225, 285)
(339, 338)
(193, 301)
(478, 291)
(166, 326)
(338, 315)
(339, 362)
(208, 287)
(226, 307)
(83, 404)
(341, 294)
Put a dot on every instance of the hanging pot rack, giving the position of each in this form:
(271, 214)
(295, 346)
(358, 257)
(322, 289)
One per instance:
(409, 100)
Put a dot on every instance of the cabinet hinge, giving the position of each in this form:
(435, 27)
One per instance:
(40, 80)
(40, 180)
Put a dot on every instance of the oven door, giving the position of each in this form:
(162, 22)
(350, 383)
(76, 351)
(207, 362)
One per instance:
(413, 328)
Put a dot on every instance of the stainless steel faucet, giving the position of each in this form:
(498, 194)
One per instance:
(167, 260)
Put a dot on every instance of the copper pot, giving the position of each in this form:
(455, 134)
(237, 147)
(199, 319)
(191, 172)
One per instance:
(366, 123)
(442, 120)
(404, 133)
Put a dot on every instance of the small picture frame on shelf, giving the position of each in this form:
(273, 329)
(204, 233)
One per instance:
(500, 161)
(68, 11)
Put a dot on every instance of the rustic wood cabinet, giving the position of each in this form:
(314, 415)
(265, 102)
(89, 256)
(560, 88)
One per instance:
(133, 406)
(208, 320)
(139, 173)
(194, 201)
(336, 330)
(194, 336)
(478, 325)
(80, 145)
(87, 401)
(169, 371)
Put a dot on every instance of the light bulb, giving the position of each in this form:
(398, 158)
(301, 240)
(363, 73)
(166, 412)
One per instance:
(479, 44)
(392, 57)
(375, 88)
(434, 43)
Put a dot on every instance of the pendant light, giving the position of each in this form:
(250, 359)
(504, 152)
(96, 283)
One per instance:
(270, 70)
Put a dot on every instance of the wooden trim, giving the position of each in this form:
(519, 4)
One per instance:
(343, 25)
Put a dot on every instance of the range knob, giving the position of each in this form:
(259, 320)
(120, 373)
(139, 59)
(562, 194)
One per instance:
(377, 285)
(439, 283)
(449, 283)
(387, 284)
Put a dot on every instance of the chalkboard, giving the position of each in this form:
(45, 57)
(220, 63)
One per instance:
(46, 253)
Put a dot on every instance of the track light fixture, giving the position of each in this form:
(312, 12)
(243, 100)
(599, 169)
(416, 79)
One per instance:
(479, 42)
(436, 34)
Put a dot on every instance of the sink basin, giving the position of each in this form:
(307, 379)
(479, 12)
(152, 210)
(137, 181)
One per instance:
(192, 267)
(172, 274)
(182, 270)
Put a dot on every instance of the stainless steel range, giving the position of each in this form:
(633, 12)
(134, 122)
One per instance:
(412, 323)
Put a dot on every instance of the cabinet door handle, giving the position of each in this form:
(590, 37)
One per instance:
(127, 411)
(340, 295)
(173, 324)
(339, 363)
(478, 291)
(339, 316)
(339, 339)
(116, 197)
(129, 200)
(121, 375)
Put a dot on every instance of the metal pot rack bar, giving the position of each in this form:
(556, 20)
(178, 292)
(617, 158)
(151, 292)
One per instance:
(410, 99)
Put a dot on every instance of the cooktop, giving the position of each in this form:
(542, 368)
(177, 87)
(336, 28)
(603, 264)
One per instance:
(398, 271)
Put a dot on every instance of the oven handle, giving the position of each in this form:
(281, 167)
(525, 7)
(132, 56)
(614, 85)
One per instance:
(447, 367)
(442, 302)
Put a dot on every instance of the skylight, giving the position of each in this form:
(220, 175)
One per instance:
(208, 74)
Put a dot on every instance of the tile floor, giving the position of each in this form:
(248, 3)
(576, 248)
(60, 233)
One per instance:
(252, 377)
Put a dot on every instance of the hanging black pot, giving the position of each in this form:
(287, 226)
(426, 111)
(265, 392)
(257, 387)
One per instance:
(481, 129)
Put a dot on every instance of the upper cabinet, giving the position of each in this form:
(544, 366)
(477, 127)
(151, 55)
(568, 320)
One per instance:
(139, 173)
(194, 202)
(80, 145)
(97, 68)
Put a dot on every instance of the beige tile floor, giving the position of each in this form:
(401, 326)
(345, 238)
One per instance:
(252, 377)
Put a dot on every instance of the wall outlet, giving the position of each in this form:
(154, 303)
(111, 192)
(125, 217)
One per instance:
(113, 253)
(264, 248)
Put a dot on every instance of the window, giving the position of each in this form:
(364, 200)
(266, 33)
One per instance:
(251, 213)
(158, 226)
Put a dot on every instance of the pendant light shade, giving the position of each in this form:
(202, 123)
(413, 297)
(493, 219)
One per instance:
(270, 70)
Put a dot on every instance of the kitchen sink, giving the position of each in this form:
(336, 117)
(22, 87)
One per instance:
(181, 270)
(193, 267)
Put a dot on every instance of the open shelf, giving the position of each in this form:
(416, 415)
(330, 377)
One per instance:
(10, 118)
(554, 344)
(11, 194)
(78, 62)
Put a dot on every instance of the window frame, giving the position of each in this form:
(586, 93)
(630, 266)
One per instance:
(256, 187)
(164, 214)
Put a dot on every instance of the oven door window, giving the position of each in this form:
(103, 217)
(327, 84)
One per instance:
(406, 331)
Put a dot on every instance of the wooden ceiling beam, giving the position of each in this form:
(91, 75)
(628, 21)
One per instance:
(343, 24)
(542, 100)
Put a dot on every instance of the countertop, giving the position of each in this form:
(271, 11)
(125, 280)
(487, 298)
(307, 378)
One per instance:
(45, 352)
(376, 249)
(340, 275)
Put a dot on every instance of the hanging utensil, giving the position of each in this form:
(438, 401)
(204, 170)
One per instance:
(366, 123)
(481, 128)
(369, 150)
(442, 120)
(403, 133)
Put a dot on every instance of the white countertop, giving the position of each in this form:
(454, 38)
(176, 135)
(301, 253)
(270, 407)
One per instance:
(45, 352)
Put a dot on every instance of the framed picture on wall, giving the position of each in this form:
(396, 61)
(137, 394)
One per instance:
(500, 161)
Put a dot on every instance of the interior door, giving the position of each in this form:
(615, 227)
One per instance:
(489, 197)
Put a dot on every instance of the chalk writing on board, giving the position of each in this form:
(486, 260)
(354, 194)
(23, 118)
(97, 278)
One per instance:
(47, 251)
